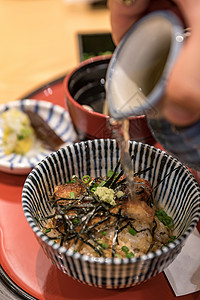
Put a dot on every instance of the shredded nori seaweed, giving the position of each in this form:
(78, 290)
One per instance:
(75, 225)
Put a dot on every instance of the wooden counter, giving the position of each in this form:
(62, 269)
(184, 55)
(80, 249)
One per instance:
(39, 41)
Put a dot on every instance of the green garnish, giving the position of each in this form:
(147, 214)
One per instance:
(110, 173)
(164, 218)
(86, 178)
(132, 231)
(104, 233)
(72, 195)
(95, 185)
(104, 245)
(102, 183)
(20, 137)
(172, 238)
(73, 180)
(125, 249)
(47, 230)
(129, 254)
(75, 221)
(25, 132)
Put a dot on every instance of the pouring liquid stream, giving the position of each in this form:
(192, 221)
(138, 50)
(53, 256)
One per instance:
(139, 210)
(121, 132)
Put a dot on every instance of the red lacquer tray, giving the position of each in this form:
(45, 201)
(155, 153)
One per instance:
(25, 267)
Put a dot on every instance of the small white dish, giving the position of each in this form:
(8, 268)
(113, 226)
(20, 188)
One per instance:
(56, 117)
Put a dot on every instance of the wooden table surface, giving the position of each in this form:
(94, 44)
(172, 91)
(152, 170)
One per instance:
(38, 44)
(39, 41)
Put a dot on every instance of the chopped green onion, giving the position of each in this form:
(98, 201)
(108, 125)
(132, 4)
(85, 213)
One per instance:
(164, 218)
(172, 238)
(125, 249)
(20, 137)
(86, 178)
(75, 221)
(25, 132)
(110, 173)
(73, 180)
(104, 245)
(129, 254)
(47, 230)
(104, 233)
(132, 231)
(72, 195)
(95, 185)
(102, 183)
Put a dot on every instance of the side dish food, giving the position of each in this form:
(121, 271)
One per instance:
(97, 217)
(18, 134)
(26, 130)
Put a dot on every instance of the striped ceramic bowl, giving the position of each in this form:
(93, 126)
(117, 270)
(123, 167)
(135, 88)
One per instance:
(178, 194)
(54, 115)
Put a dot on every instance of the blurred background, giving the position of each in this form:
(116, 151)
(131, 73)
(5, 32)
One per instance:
(42, 40)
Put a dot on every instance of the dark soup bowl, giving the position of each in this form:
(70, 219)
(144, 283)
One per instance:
(85, 94)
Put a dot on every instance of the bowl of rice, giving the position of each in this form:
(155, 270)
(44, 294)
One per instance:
(78, 205)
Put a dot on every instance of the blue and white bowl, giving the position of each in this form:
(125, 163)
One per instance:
(54, 115)
(178, 194)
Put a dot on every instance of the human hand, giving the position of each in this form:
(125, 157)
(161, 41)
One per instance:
(181, 102)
